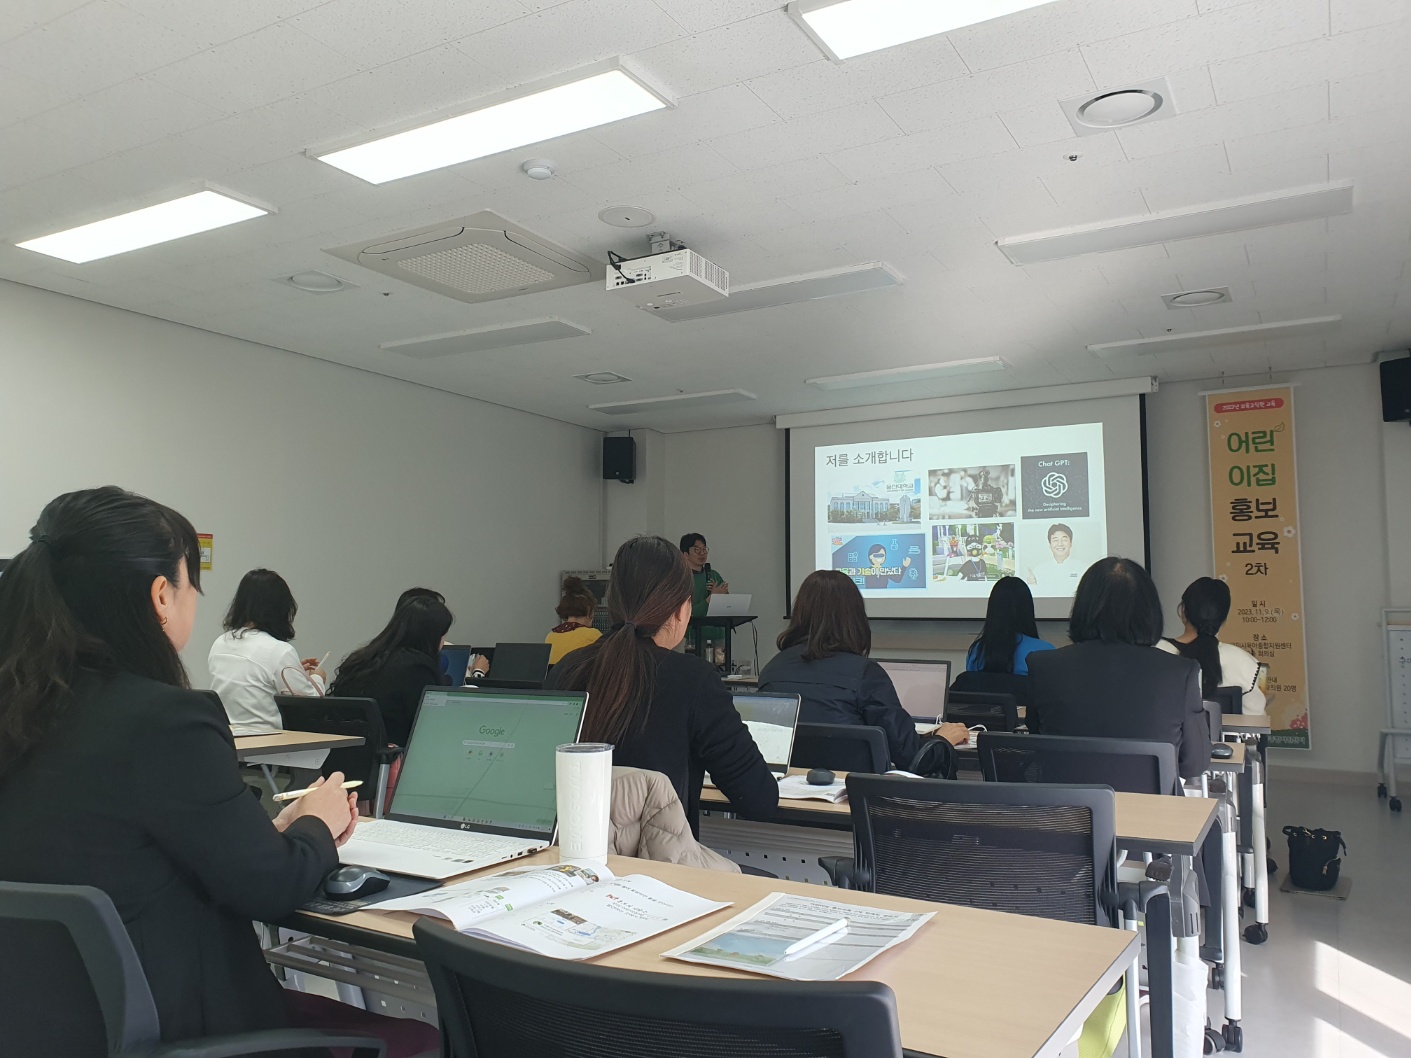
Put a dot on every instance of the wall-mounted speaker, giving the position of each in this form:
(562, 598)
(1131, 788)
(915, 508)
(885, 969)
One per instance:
(1396, 390)
(620, 459)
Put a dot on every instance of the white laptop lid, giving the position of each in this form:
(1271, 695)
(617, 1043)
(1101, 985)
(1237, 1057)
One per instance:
(729, 606)
(921, 686)
(772, 720)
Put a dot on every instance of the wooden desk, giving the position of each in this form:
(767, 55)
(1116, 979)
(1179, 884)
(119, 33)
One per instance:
(1245, 724)
(291, 742)
(955, 981)
(1234, 764)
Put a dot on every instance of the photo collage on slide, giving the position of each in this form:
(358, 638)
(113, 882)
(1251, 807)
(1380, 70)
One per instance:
(928, 518)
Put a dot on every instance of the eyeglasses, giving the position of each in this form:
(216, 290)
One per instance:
(700, 549)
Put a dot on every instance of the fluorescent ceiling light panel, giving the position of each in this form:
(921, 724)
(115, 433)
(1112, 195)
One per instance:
(481, 338)
(674, 402)
(1260, 211)
(528, 116)
(914, 373)
(1255, 332)
(853, 280)
(144, 227)
(844, 28)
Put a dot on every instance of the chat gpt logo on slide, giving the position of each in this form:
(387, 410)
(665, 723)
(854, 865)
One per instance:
(1054, 484)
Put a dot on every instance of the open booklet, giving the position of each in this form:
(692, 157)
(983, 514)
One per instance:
(563, 911)
(768, 938)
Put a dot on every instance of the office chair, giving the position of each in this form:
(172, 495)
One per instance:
(996, 711)
(841, 747)
(1123, 764)
(371, 762)
(499, 1002)
(993, 683)
(71, 985)
(1231, 699)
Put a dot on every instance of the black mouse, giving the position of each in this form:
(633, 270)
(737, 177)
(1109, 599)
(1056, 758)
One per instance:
(820, 777)
(1222, 751)
(351, 882)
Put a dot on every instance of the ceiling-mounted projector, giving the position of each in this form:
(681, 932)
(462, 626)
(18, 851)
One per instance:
(668, 278)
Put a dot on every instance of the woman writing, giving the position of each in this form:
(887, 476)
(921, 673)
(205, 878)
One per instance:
(115, 774)
(1204, 607)
(661, 710)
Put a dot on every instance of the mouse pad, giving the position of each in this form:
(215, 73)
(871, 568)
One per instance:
(401, 885)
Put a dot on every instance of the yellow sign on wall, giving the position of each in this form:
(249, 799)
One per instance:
(1254, 522)
(207, 543)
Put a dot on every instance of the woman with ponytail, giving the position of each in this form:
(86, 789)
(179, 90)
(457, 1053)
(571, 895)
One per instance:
(662, 710)
(115, 774)
(1204, 607)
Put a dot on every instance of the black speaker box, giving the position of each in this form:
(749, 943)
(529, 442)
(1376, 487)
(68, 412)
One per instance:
(620, 459)
(1396, 390)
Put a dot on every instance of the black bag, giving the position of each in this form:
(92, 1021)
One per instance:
(1313, 857)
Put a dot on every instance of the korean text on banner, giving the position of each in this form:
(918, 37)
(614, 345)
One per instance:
(1254, 523)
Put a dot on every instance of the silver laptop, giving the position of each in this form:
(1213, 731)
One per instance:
(921, 686)
(772, 720)
(729, 606)
(477, 783)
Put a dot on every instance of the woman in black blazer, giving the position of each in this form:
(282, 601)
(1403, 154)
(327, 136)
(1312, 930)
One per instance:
(114, 774)
(1111, 682)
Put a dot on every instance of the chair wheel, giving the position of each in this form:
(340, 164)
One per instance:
(1217, 977)
(1394, 804)
(1249, 898)
(1257, 933)
(1381, 791)
(1214, 1042)
(1234, 1037)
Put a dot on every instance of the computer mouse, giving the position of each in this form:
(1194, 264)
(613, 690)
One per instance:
(820, 777)
(1222, 751)
(351, 882)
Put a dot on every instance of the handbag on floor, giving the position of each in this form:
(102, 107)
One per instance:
(1313, 857)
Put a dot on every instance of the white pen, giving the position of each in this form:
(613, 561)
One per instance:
(826, 933)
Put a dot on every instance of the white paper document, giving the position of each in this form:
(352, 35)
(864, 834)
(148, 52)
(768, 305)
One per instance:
(797, 787)
(758, 938)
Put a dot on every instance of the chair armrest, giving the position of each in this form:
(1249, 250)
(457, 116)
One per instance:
(250, 1043)
(839, 870)
(387, 754)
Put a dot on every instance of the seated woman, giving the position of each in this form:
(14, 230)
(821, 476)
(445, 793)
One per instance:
(252, 660)
(661, 710)
(1204, 607)
(1109, 683)
(575, 628)
(115, 774)
(823, 659)
(400, 662)
(1010, 634)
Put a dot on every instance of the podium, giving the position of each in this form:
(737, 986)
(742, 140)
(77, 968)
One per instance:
(695, 634)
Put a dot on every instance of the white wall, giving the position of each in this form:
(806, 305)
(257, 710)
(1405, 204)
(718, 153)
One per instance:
(631, 510)
(352, 485)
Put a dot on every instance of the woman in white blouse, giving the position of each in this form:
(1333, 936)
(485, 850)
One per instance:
(253, 660)
(1204, 607)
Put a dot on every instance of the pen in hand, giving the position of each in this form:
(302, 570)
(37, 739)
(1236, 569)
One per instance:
(292, 795)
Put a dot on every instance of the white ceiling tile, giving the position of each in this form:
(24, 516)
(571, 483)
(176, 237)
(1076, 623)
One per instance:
(1365, 94)
(1191, 89)
(743, 189)
(1290, 144)
(219, 22)
(1359, 14)
(21, 16)
(1080, 181)
(43, 206)
(977, 174)
(1311, 62)
(386, 207)
(162, 168)
(1058, 26)
(966, 139)
(703, 116)
(1042, 123)
(806, 137)
(756, 47)
(270, 132)
(671, 170)
(825, 85)
(1302, 106)
(1054, 77)
(1252, 27)
(364, 30)
(1247, 182)
(696, 17)
(924, 190)
(24, 97)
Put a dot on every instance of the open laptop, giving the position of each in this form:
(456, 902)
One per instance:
(477, 783)
(454, 663)
(921, 686)
(729, 606)
(521, 663)
(772, 720)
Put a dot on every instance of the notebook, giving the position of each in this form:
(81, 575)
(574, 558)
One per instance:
(477, 783)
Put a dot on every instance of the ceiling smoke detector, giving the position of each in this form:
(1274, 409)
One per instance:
(627, 216)
(603, 378)
(315, 282)
(538, 169)
(1119, 108)
(1197, 299)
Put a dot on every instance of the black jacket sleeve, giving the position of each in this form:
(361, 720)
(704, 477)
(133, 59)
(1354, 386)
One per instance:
(1195, 732)
(720, 739)
(882, 708)
(187, 790)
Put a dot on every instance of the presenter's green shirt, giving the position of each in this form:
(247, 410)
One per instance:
(700, 591)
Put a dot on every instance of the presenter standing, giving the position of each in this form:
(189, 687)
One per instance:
(705, 642)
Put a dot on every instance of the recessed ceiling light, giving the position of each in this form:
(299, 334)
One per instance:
(844, 28)
(176, 219)
(603, 378)
(627, 216)
(674, 402)
(1194, 299)
(1255, 332)
(480, 339)
(854, 279)
(316, 282)
(538, 169)
(914, 373)
(585, 99)
(1119, 107)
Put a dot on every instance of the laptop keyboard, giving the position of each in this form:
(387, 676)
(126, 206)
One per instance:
(451, 844)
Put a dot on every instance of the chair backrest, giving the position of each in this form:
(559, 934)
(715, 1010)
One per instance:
(340, 716)
(1214, 714)
(993, 683)
(841, 747)
(1043, 850)
(70, 981)
(498, 1002)
(1231, 699)
(996, 710)
(1121, 763)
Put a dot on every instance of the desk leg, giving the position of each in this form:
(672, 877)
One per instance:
(1259, 932)
(1229, 899)
(1160, 954)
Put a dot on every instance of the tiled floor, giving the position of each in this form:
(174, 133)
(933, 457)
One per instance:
(1334, 978)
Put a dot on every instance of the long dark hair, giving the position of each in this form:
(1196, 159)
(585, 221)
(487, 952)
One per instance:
(263, 601)
(418, 624)
(1009, 615)
(79, 597)
(829, 617)
(650, 583)
(1116, 602)
(1206, 604)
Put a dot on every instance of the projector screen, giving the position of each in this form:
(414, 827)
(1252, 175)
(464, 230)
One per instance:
(926, 513)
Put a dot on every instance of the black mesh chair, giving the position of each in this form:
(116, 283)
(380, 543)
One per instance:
(371, 762)
(498, 1002)
(995, 710)
(71, 986)
(993, 683)
(841, 747)
(1123, 764)
(1231, 699)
